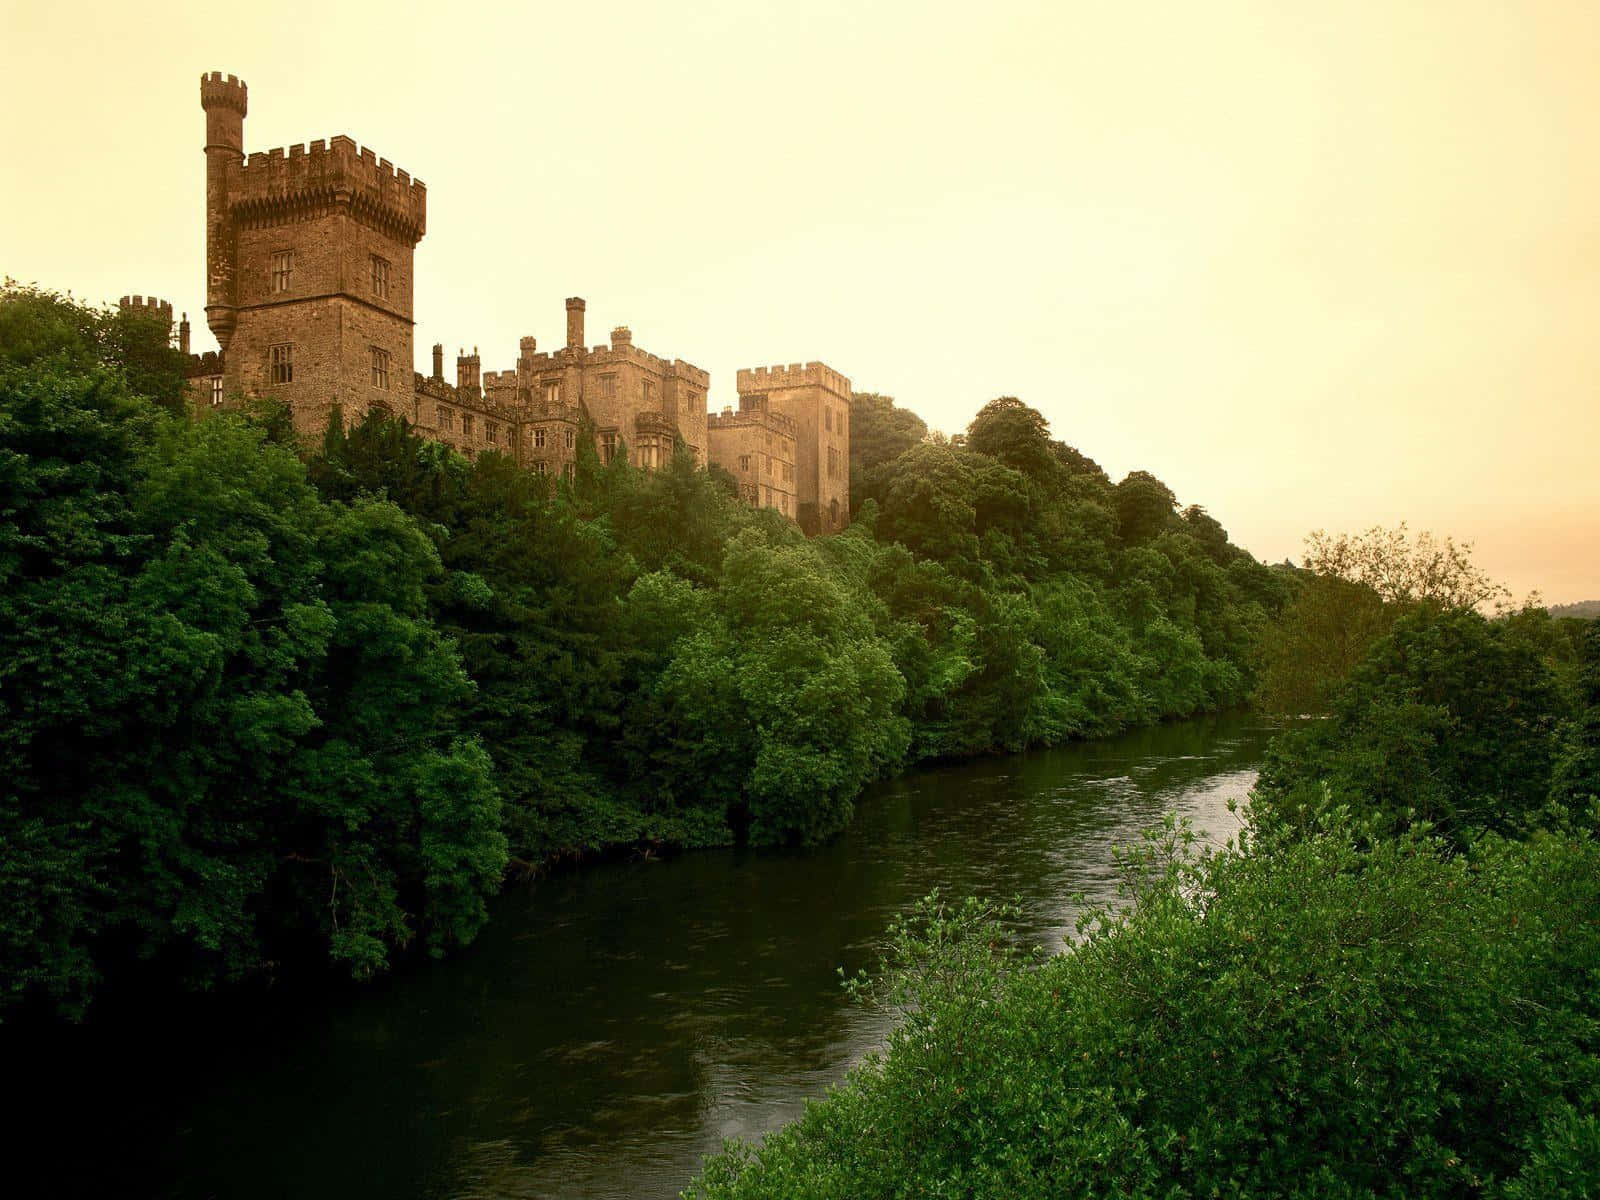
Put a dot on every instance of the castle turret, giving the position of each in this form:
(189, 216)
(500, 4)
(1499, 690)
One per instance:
(225, 101)
(156, 310)
(575, 307)
(183, 335)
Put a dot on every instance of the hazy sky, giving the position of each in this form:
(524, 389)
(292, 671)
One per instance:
(1315, 265)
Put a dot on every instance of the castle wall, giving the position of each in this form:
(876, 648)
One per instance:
(328, 315)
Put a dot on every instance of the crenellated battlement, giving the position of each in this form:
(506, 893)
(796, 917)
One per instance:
(795, 375)
(217, 91)
(287, 182)
(158, 310)
(647, 421)
(209, 363)
(570, 414)
(776, 422)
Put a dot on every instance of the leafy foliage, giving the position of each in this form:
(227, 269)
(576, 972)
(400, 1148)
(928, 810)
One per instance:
(270, 704)
(1339, 1017)
(1450, 720)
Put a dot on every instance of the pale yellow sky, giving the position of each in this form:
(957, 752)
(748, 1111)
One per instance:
(1313, 264)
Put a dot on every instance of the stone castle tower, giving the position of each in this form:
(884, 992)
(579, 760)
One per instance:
(816, 400)
(308, 267)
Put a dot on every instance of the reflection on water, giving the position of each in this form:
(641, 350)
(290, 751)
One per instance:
(613, 1025)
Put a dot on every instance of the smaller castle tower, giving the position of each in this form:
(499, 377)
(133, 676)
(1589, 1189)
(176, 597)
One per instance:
(817, 399)
(226, 101)
(150, 308)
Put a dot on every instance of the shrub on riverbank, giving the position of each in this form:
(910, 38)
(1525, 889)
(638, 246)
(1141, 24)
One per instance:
(1343, 1016)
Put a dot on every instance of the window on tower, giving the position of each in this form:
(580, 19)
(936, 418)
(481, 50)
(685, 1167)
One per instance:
(282, 359)
(282, 270)
(216, 391)
(380, 277)
(538, 440)
(380, 368)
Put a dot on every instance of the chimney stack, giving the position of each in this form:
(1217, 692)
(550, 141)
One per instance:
(467, 371)
(438, 360)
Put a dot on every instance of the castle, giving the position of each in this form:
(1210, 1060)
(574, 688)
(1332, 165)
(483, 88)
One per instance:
(309, 293)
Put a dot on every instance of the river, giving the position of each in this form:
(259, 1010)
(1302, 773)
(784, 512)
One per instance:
(614, 1024)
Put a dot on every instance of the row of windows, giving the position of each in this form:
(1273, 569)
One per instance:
(280, 366)
(282, 273)
(786, 470)
(542, 468)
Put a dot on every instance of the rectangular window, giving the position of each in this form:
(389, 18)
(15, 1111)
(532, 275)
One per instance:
(282, 270)
(647, 390)
(608, 386)
(538, 468)
(447, 419)
(833, 463)
(538, 439)
(491, 432)
(567, 472)
(608, 447)
(769, 497)
(552, 391)
(216, 392)
(744, 462)
(827, 418)
(569, 440)
(380, 368)
(283, 363)
(466, 424)
(380, 277)
(768, 457)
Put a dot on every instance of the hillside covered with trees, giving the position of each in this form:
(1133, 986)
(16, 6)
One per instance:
(272, 708)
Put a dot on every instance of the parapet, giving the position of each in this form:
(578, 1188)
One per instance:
(335, 171)
(219, 92)
(758, 418)
(159, 310)
(209, 363)
(795, 375)
(692, 375)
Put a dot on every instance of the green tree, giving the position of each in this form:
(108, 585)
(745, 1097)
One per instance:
(1449, 719)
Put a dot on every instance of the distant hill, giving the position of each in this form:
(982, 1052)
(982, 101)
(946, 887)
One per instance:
(1583, 608)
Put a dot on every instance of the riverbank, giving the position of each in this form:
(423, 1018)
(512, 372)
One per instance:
(615, 1023)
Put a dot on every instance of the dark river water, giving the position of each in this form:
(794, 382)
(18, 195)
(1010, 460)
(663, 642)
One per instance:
(612, 1025)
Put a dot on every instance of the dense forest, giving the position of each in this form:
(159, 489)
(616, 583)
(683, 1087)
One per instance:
(274, 708)
(1387, 988)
